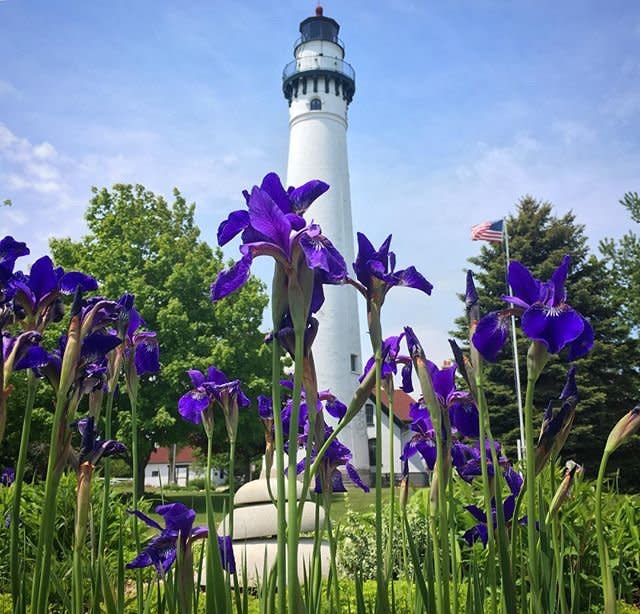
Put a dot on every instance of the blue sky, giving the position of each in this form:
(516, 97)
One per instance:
(460, 109)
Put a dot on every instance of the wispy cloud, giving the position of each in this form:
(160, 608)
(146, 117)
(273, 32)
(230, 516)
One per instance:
(7, 90)
(30, 167)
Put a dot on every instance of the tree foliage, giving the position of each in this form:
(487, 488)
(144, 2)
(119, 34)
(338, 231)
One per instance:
(139, 243)
(623, 263)
(607, 377)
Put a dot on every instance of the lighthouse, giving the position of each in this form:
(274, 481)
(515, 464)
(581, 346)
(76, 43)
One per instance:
(319, 86)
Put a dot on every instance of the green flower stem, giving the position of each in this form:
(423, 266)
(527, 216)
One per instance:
(486, 489)
(232, 481)
(439, 519)
(60, 437)
(16, 572)
(508, 586)
(437, 566)
(211, 528)
(311, 401)
(106, 473)
(232, 491)
(215, 596)
(361, 394)
(65, 409)
(531, 493)
(608, 587)
(335, 584)
(106, 476)
(280, 486)
(133, 400)
(381, 581)
(454, 548)
(82, 517)
(557, 546)
(442, 519)
(392, 484)
(293, 597)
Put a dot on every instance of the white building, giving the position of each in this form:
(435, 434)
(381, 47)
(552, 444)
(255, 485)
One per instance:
(319, 85)
(401, 433)
(158, 469)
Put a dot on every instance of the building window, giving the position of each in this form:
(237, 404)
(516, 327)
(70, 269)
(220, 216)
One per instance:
(155, 474)
(315, 104)
(372, 452)
(355, 363)
(368, 408)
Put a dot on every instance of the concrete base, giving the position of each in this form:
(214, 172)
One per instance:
(257, 491)
(250, 555)
(262, 521)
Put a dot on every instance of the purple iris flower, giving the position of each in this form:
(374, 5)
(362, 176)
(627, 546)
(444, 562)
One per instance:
(326, 400)
(514, 482)
(470, 465)
(337, 455)
(92, 447)
(545, 315)
(274, 226)
(375, 270)
(225, 544)
(39, 292)
(7, 476)
(161, 550)
(214, 387)
(10, 251)
(23, 351)
(480, 531)
(556, 426)
(265, 407)
(463, 413)
(390, 352)
(91, 366)
(143, 345)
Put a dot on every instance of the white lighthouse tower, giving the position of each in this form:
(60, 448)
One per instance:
(319, 85)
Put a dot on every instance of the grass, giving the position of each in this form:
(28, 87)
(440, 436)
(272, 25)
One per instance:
(354, 499)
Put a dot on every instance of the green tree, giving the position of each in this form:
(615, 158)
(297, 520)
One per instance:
(607, 377)
(623, 262)
(140, 244)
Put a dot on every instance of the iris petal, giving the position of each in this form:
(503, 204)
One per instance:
(267, 218)
(302, 197)
(232, 226)
(231, 280)
(192, 404)
(583, 343)
(42, 277)
(70, 281)
(410, 278)
(490, 335)
(523, 283)
(551, 327)
(355, 477)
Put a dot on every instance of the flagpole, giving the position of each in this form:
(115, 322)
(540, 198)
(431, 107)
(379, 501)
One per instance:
(514, 342)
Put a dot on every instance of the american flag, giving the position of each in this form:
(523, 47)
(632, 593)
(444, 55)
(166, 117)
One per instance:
(487, 231)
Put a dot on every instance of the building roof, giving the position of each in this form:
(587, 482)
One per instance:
(401, 404)
(183, 455)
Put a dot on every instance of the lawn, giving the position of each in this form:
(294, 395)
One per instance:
(354, 499)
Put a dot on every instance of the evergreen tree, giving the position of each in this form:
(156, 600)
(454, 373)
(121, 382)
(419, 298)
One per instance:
(607, 377)
(623, 261)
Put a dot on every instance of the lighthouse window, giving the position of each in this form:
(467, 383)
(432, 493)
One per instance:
(315, 104)
(368, 408)
(355, 363)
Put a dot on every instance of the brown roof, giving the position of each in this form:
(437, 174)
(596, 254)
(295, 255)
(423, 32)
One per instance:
(183, 455)
(401, 404)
